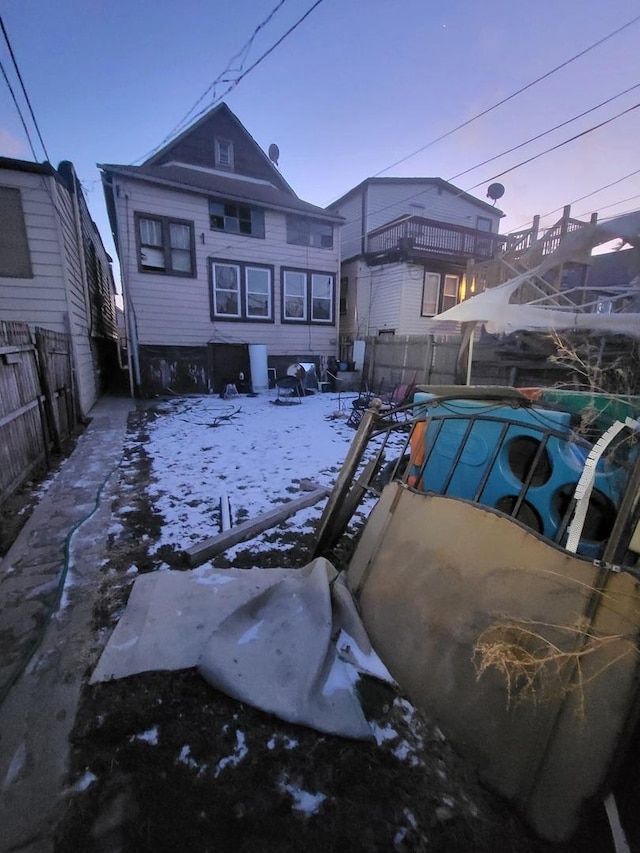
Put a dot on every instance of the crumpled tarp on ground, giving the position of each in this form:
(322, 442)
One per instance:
(263, 636)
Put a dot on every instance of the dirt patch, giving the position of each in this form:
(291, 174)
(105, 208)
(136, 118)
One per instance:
(163, 762)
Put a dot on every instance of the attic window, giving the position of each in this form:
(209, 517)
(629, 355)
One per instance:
(224, 153)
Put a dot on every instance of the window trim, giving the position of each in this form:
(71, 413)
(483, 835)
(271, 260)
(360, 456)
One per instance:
(445, 276)
(440, 296)
(242, 316)
(257, 233)
(218, 142)
(309, 221)
(307, 320)
(166, 222)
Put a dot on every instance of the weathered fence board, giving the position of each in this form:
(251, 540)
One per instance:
(34, 414)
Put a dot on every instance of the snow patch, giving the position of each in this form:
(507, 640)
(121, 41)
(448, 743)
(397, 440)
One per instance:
(239, 752)
(303, 801)
(150, 736)
(87, 779)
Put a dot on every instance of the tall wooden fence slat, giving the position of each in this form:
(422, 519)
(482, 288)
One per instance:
(35, 415)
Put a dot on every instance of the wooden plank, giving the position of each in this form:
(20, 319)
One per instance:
(48, 391)
(198, 554)
(18, 412)
(9, 349)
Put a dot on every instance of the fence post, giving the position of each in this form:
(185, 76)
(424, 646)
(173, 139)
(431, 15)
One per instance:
(47, 390)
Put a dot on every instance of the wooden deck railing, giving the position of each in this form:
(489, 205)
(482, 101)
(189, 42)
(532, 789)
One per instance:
(417, 235)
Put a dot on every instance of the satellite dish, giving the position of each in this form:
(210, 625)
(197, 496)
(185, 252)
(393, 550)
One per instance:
(495, 192)
(274, 153)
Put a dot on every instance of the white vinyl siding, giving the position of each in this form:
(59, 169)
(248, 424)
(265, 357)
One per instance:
(40, 300)
(351, 231)
(56, 297)
(386, 202)
(176, 311)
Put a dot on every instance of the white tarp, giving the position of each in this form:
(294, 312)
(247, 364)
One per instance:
(493, 307)
(263, 636)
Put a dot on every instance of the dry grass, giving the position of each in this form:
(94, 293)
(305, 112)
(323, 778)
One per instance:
(544, 663)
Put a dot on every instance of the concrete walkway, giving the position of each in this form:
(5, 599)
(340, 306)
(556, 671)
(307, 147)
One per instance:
(45, 627)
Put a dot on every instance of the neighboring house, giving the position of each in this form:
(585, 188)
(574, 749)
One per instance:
(613, 281)
(219, 255)
(54, 270)
(405, 246)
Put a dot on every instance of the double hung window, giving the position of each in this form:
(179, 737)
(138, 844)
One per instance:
(307, 297)
(241, 291)
(236, 218)
(165, 245)
(302, 231)
(439, 292)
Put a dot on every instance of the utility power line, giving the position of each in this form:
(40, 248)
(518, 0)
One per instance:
(545, 133)
(242, 53)
(519, 165)
(588, 195)
(17, 105)
(555, 147)
(241, 77)
(510, 97)
(24, 91)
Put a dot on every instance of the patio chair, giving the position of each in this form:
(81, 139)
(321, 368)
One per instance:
(362, 402)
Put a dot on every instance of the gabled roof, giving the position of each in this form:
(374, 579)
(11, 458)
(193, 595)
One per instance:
(195, 146)
(426, 182)
(205, 182)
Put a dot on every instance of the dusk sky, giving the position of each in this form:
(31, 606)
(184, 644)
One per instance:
(359, 85)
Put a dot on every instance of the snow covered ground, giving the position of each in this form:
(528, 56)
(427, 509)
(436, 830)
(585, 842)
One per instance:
(251, 450)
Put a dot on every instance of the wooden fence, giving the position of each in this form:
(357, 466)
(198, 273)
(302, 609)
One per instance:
(395, 359)
(37, 408)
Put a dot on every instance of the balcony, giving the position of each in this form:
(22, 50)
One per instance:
(416, 238)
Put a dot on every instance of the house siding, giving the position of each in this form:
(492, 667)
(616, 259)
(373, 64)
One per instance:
(381, 298)
(352, 230)
(55, 297)
(175, 311)
(387, 202)
(411, 321)
(41, 300)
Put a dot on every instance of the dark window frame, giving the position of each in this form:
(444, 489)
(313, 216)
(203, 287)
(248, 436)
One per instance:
(293, 224)
(166, 222)
(243, 316)
(307, 320)
(255, 218)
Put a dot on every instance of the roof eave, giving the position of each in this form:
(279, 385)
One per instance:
(318, 213)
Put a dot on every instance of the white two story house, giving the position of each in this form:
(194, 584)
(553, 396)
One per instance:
(405, 246)
(219, 255)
